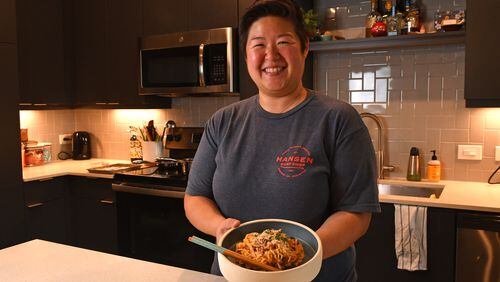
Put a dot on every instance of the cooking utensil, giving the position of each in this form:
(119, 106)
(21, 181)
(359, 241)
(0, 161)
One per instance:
(227, 252)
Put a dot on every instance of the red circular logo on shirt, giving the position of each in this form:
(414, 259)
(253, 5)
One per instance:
(293, 161)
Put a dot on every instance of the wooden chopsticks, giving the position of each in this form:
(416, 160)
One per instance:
(227, 252)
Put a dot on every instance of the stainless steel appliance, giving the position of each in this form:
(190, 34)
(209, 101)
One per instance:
(478, 248)
(189, 63)
(152, 225)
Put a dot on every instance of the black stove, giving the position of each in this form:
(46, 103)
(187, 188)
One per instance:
(167, 174)
(152, 224)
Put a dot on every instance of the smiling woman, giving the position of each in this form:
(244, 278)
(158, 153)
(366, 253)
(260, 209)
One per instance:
(285, 153)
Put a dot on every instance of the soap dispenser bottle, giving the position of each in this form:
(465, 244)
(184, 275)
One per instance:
(434, 168)
(413, 165)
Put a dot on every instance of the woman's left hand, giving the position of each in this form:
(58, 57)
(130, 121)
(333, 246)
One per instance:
(225, 225)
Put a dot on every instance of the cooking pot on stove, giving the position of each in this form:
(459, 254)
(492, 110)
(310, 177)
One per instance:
(182, 165)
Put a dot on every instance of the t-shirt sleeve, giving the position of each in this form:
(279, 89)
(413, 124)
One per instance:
(353, 169)
(204, 165)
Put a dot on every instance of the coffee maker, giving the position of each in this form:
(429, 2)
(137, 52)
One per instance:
(81, 145)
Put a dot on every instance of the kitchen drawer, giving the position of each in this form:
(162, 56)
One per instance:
(44, 190)
(48, 221)
(90, 187)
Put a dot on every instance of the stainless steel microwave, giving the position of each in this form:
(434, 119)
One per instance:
(188, 63)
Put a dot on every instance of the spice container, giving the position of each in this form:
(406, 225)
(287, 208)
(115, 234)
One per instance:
(37, 154)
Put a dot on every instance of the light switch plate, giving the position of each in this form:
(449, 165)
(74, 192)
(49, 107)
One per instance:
(65, 139)
(470, 152)
(497, 153)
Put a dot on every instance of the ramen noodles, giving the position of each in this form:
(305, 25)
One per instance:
(272, 247)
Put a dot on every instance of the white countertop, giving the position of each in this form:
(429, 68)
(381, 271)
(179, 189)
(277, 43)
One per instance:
(479, 196)
(68, 167)
(39, 260)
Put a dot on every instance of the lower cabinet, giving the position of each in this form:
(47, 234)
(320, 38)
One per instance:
(78, 211)
(93, 216)
(46, 210)
(376, 258)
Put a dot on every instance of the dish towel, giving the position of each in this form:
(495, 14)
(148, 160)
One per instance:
(411, 237)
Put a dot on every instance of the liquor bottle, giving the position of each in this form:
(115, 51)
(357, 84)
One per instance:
(379, 28)
(135, 149)
(371, 18)
(387, 11)
(413, 17)
(392, 23)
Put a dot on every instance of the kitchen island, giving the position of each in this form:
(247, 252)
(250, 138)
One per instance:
(39, 260)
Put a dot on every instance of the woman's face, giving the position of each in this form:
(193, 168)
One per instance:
(274, 57)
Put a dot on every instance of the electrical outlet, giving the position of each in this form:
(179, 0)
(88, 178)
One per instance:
(470, 152)
(65, 139)
(497, 153)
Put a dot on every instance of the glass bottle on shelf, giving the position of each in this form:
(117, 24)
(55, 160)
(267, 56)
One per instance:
(387, 11)
(413, 17)
(392, 23)
(371, 19)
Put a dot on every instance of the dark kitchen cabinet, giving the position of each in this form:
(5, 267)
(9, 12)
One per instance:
(164, 16)
(376, 259)
(93, 216)
(11, 195)
(481, 55)
(204, 14)
(90, 50)
(106, 55)
(43, 45)
(46, 209)
(7, 21)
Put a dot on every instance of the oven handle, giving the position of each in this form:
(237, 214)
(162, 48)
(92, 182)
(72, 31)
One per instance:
(119, 187)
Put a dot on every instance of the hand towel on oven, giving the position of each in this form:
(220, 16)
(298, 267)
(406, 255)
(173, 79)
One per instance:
(411, 237)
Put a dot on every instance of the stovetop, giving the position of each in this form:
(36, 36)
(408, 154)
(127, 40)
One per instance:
(153, 177)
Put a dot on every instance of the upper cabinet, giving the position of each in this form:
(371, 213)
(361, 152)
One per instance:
(106, 40)
(43, 50)
(164, 16)
(7, 21)
(168, 16)
(212, 14)
(481, 55)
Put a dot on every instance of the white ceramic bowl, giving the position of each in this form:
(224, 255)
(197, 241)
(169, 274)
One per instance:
(309, 268)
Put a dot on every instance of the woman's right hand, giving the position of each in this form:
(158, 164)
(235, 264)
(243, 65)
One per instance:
(225, 225)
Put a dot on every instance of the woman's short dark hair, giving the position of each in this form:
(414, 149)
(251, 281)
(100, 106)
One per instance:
(287, 9)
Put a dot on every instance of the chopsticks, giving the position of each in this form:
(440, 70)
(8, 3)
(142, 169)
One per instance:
(227, 252)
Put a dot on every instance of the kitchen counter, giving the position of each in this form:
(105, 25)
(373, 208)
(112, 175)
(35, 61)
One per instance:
(476, 196)
(68, 167)
(39, 260)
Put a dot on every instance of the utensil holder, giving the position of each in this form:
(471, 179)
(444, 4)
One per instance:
(151, 150)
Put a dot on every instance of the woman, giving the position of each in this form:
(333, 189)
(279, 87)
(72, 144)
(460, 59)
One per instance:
(286, 152)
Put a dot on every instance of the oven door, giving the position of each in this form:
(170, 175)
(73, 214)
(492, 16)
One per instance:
(155, 228)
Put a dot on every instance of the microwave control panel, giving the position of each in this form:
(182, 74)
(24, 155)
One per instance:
(217, 64)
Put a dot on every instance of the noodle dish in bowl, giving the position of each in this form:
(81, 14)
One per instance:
(293, 248)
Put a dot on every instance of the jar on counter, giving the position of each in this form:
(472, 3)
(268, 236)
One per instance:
(37, 154)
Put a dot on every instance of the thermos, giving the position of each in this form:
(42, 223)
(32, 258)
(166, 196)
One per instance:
(413, 165)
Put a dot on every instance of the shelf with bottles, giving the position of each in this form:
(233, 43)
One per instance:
(391, 42)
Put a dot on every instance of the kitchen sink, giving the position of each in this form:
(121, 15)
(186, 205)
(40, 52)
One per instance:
(412, 191)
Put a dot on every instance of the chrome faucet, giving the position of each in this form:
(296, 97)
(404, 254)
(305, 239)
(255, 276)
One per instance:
(380, 144)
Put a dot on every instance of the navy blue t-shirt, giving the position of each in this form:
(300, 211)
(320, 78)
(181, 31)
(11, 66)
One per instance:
(302, 165)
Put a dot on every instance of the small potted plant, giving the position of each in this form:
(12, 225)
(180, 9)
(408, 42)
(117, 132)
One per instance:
(311, 23)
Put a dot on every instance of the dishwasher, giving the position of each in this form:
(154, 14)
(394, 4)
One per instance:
(478, 248)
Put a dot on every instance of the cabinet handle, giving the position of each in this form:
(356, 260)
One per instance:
(25, 104)
(40, 104)
(108, 202)
(100, 103)
(113, 103)
(34, 205)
